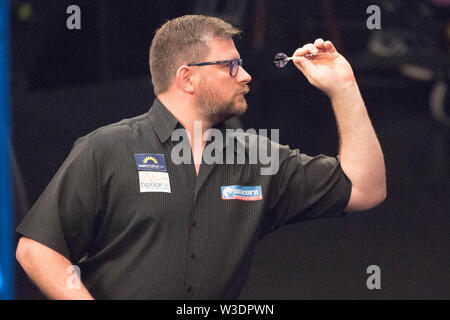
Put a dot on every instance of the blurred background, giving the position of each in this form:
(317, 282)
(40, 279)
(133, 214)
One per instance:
(66, 83)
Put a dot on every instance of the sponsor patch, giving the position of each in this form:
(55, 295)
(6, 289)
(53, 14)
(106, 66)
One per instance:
(236, 192)
(150, 162)
(151, 181)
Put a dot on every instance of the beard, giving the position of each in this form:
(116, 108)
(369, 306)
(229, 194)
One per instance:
(214, 108)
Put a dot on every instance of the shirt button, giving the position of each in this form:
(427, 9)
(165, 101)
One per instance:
(193, 256)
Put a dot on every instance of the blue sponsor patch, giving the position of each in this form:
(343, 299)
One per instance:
(236, 192)
(150, 162)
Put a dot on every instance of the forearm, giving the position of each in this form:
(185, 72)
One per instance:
(49, 271)
(360, 152)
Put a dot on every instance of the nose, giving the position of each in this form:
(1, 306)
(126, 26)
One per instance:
(243, 76)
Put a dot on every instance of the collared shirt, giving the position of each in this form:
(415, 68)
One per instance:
(140, 226)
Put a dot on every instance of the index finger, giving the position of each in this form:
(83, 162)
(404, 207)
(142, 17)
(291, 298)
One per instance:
(329, 45)
(307, 48)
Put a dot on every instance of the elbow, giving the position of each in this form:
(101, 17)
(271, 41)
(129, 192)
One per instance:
(362, 201)
(380, 196)
(380, 191)
(21, 251)
(376, 196)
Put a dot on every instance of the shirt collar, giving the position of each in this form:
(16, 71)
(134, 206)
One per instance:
(165, 123)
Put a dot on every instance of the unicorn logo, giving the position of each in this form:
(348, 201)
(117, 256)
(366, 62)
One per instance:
(227, 192)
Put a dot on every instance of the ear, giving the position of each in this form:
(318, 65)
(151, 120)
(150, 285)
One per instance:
(183, 79)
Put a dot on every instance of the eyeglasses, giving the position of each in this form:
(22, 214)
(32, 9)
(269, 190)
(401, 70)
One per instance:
(234, 64)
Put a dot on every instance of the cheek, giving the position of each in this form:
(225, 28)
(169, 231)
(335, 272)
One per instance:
(229, 91)
(221, 91)
(219, 87)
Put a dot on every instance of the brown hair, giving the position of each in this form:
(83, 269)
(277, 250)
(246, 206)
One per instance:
(183, 40)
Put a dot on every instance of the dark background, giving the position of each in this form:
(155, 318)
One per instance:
(66, 83)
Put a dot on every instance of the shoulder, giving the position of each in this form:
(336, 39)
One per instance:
(260, 147)
(261, 141)
(121, 132)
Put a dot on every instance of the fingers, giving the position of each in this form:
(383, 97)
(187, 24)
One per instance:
(319, 43)
(307, 48)
(318, 46)
(329, 46)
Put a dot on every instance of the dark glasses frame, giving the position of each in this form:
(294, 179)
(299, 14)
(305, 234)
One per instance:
(234, 64)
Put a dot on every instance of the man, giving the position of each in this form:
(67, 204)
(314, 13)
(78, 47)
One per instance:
(141, 226)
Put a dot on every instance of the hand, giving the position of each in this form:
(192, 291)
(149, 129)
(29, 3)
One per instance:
(329, 72)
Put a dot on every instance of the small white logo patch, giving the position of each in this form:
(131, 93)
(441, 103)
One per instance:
(153, 181)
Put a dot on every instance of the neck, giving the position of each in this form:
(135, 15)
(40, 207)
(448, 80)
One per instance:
(184, 110)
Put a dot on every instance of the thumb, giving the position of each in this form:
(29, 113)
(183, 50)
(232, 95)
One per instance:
(304, 65)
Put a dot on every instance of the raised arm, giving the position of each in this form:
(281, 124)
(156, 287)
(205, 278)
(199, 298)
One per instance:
(360, 152)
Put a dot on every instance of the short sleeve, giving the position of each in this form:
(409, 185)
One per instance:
(308, 188)
(63, 217)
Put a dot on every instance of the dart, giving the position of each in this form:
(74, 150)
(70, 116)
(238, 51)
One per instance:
(281, 59)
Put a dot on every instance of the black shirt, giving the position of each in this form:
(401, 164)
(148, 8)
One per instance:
(140, 226)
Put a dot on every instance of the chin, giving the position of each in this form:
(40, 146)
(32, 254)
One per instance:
(240, 107)
(243, 109)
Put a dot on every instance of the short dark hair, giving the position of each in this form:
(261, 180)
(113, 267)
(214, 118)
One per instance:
(183, 40)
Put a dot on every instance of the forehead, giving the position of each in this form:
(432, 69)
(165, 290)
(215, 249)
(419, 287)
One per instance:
(222, 49)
